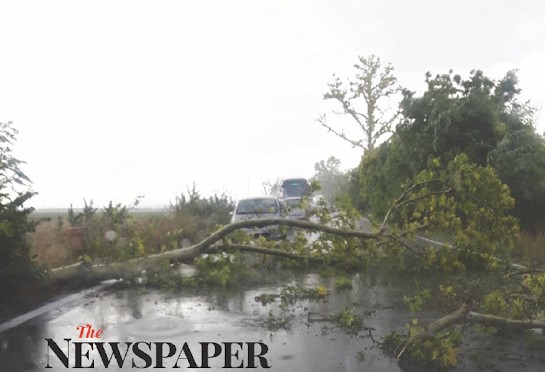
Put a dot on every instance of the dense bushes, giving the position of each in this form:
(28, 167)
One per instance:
(117, 232)
(197, 215)
(479, 117)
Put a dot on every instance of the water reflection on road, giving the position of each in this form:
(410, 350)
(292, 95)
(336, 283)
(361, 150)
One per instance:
(143, 314)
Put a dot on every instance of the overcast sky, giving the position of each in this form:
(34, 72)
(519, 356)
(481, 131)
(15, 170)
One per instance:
(115, 99)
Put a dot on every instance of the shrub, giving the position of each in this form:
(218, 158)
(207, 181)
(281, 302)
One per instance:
(17, 270)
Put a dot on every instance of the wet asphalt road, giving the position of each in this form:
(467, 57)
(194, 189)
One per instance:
(141, 314)
(132, 314)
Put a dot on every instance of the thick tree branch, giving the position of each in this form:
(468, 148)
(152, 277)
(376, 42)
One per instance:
(456, 317)
(113, 270)
(192, 252)
(267, 251)
(464, 316)
(341, 135)
(503, 323)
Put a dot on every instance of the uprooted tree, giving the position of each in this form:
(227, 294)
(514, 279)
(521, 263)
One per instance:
(464, 201)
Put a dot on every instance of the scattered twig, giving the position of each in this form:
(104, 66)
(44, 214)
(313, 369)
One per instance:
(372, 338)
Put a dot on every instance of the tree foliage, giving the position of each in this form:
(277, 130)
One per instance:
(330, 178)
(273, 187)
(199, 214)
(364, 99)
(519, 160)
(466, 202)
(479, 117)
(116, 233)
(17, 270)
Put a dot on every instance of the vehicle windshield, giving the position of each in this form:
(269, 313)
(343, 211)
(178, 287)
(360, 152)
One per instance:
(251, 206)
(295, 187)
(293, 202)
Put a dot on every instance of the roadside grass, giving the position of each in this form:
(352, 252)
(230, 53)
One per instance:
(530, 249)
(119, 232)
(52, 247)
(137, 233)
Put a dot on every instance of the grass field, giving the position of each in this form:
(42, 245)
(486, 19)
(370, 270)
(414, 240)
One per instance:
(53, 247)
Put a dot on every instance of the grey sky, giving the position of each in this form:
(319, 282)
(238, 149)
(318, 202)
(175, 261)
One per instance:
(114, 99)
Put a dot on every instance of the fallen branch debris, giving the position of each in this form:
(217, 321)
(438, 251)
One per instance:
(113, 270)
(463, 316)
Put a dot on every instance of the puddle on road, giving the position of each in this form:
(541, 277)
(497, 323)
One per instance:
(142, 314)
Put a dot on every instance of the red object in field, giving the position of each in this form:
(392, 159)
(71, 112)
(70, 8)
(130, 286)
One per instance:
(76, 238)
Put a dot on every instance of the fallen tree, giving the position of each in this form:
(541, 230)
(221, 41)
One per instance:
(464, 200)
(116, 269)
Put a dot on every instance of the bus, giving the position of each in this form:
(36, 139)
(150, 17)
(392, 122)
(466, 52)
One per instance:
(294, 187)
